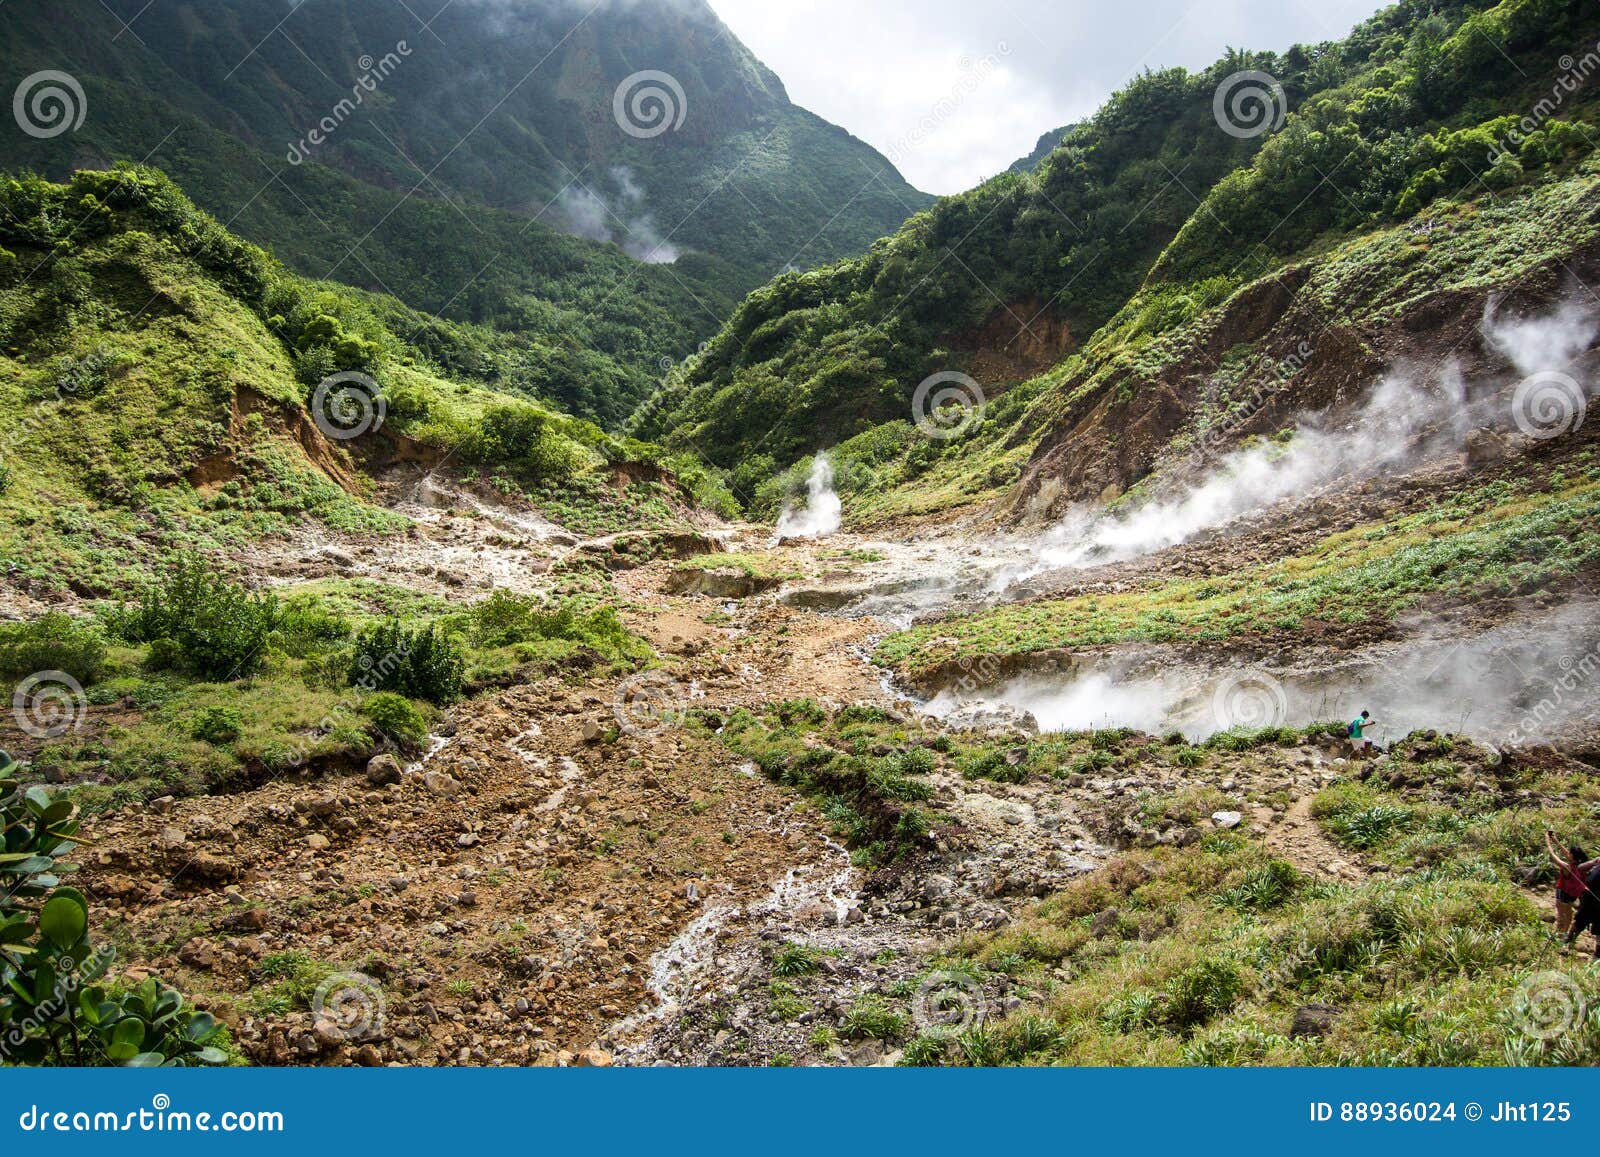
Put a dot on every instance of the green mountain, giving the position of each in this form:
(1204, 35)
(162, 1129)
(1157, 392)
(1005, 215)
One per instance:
(472, 163)
(1048, 143)
(160, 379)
(1152, 214)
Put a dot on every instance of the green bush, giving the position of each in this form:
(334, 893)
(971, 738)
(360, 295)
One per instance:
(306, 628)
(423, 664)
(396, 717)
(1201, 992)
(504, 619)
(795, 960)
(52, 1011)
(1370, 827)
(870, 1017)
(217, 725)
(52, 642)
(218, 631)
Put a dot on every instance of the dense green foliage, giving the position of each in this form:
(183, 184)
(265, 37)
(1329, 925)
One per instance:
(199, 623)
(52, 1008)
(423, 664)
(1406, 110)
(156, 372)
(52, 642)
(446, 184)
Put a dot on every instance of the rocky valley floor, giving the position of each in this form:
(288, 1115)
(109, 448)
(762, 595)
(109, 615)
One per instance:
(600, 869)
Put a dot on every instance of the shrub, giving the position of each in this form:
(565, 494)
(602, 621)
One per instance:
(870, 1017)
(52, 642)
(504, 619)
(51, 1010)
(1200, 992)
(217, 725)
(991, 764)
(927, 1049)
(396, 717)
(218, 631)
(421, 664)
(306, 628)
(1369, 827)
(795, 960)
(1263, 888)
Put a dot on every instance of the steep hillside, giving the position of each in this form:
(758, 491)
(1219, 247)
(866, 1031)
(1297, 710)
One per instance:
(476, 105)
(162, 383)
(1160, 208)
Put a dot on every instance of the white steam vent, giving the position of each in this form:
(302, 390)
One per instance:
(821, 514)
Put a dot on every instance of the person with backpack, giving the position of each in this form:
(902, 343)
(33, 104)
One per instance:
(1359, 743)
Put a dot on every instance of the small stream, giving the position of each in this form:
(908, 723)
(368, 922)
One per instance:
(720, 943)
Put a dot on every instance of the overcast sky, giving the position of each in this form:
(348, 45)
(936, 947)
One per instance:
(1009, 69)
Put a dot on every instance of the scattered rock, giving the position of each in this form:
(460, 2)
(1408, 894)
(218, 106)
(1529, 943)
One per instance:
(383, 770)
(441, 784)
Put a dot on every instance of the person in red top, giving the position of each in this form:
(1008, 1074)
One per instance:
(1572, 872)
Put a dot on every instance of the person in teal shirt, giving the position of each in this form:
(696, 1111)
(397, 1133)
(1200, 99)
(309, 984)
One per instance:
(1359, 743)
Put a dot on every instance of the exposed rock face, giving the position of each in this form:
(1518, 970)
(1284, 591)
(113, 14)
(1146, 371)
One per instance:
(1299, 360)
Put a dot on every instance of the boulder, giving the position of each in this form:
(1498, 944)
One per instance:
(441, 784)
(383, 770)
(1227, 819)
(1313, 1020)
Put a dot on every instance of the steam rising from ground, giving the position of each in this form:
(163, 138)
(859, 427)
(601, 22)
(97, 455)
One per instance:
(1401, 425)
(1524, 683)
(588, 213)
(1529, 681)
(1399, 421)
(1538, 344)
(821, 513)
